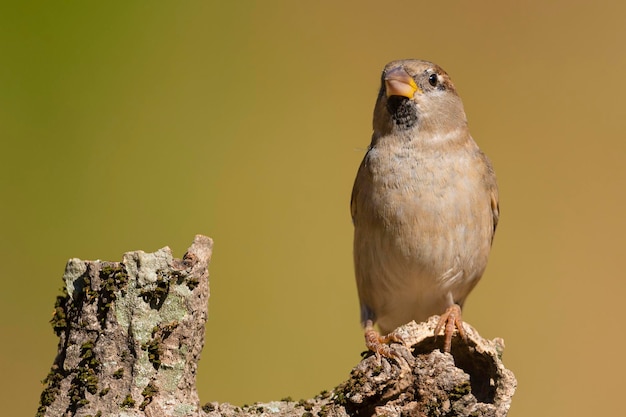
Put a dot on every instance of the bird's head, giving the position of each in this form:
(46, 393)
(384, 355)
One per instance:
(417, 97)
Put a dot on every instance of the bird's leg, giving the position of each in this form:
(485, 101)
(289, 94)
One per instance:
(450, 319)
(379, 344)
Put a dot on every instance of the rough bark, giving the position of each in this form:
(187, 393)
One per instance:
(131, 333)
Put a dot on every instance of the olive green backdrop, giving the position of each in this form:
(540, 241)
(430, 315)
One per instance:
(135, 125)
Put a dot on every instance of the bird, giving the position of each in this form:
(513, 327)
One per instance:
(424, 207)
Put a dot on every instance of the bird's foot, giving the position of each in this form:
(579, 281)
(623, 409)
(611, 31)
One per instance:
(448, 321)
(380, 344)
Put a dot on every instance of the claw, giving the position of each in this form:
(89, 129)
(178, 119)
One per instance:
(380, 344)
(450, 320)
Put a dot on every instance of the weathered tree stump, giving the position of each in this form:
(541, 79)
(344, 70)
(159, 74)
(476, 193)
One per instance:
(131, 333)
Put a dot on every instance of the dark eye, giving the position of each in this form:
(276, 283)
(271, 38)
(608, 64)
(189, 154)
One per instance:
(433, 79)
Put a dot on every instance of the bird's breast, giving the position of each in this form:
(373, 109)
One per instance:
(429, 211)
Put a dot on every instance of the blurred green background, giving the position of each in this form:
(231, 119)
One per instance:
(136, 125)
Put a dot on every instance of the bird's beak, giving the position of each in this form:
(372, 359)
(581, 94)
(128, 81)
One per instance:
(398, 82)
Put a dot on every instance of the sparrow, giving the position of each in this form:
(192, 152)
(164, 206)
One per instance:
(424, 207)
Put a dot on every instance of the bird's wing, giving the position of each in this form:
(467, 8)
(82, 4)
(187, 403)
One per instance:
(495, 210)
(355, 189)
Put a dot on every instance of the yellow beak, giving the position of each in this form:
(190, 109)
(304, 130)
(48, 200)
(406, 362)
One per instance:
(398, 82)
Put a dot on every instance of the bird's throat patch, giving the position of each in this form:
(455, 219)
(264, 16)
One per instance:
(403, 111)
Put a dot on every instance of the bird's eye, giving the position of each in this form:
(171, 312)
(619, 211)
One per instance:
(433, 79)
